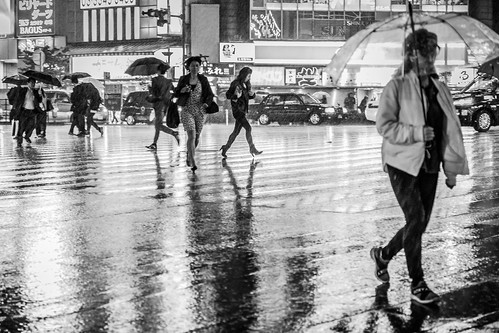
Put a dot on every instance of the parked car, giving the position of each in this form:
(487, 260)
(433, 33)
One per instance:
(61, 101)
(477, 103)
(136, 109)
(286, 108)
(372, 110)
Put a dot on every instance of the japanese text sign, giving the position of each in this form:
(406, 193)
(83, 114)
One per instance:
(35, 17)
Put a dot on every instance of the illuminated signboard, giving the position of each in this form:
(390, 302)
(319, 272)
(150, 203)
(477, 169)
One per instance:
(99, 4)
(31, 44)
(302, 76)
(35, 18)
(237, 52)
(218, 69)
(264, 25)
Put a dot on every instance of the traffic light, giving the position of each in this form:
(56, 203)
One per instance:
(164, 17)
(162, 14)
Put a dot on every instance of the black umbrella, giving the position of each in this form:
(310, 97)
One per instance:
(43, 77)
(145, 66)
(18, 79)
(490, 67)
(77, 75)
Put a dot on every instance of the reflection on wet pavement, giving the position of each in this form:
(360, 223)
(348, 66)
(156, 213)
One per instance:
(100, 235)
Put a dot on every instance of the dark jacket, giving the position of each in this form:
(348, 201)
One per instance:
(21, 95)
(82, 93)
(161, 88)
(239, 105)
(206, 92)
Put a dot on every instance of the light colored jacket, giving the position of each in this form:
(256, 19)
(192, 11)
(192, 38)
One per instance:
(400, 122)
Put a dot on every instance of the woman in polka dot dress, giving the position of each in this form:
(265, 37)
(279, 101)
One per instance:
(194, 96)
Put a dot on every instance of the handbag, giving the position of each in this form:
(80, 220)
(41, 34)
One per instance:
(172, 116)
(212, 108)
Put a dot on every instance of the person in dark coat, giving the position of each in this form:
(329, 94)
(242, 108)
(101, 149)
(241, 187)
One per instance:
(28, 103)
(79, 107)
(239, 94)
(194, 96)
(12, 95)
(41, 116)
(162, 90)
(94, 101)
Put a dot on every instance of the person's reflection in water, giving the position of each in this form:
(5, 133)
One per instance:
(224, 263)
(396, 320)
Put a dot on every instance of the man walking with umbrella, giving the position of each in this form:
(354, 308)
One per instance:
(418, 137)
(79, 106)
(27, 102)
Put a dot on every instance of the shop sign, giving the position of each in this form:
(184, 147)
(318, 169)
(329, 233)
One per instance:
(218, 69)
(113, 96)
(116, 65)
(31, 44)
(237, 52)
(35, 17)
(99, 4)
(264, 25)
(302, 76)
(267, 76)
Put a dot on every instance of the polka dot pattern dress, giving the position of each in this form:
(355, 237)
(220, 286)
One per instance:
(193, 114)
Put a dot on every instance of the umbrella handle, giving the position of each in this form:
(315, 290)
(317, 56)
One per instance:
(413, 29)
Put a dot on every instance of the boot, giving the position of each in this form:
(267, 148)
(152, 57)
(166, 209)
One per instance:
(254, 151)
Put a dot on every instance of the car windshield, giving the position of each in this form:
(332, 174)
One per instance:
(482, 83)
(307, 99)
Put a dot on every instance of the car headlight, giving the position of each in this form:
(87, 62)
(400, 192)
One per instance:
(464, 102)
(329, 110)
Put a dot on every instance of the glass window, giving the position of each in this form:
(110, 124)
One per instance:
(265, 25)
(292, 100)
(289, 26)
(258, 3)
(275, 100)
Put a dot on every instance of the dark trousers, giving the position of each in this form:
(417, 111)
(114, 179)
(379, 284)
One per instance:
(241, 122)
(91, 122)
(78, 120)
(26, 123)
(41, 123)
(415, 196)
(158, 124)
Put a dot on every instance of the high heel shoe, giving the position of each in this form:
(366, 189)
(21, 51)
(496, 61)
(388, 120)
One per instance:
(224, 151)
(254, 151)
(177, 137)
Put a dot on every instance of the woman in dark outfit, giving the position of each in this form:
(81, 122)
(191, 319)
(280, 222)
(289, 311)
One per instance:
(239, 95)
(194, 96)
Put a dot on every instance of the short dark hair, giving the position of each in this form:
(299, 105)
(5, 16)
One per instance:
(187, 63)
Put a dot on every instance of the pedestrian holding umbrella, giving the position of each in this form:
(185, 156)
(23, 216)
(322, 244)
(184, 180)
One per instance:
(416, 108)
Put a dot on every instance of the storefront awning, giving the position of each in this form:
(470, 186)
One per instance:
(136, 47)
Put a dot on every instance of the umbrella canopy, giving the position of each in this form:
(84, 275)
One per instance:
(77, 75)
(380, 44)
(145, 66)
(43, 77)
(18, 79)
(490, 67)
(96, 83)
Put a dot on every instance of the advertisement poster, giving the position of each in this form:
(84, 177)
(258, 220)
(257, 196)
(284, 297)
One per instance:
(35, 18)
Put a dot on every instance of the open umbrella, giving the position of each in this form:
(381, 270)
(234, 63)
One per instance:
(77, 75)
(18, 79)
(145, 66)
(381, 43)
(43, 77)
(96, 83)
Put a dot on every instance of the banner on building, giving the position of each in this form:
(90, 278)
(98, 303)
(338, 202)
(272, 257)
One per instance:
(303, 76)
(237, 52)
(35, 18)
(100, 4)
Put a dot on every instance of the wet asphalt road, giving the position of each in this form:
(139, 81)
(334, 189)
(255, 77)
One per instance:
(98, 234)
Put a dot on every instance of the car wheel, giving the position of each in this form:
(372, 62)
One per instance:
(130, 120)
(263, 119)
(315, 118)
(483, 121)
